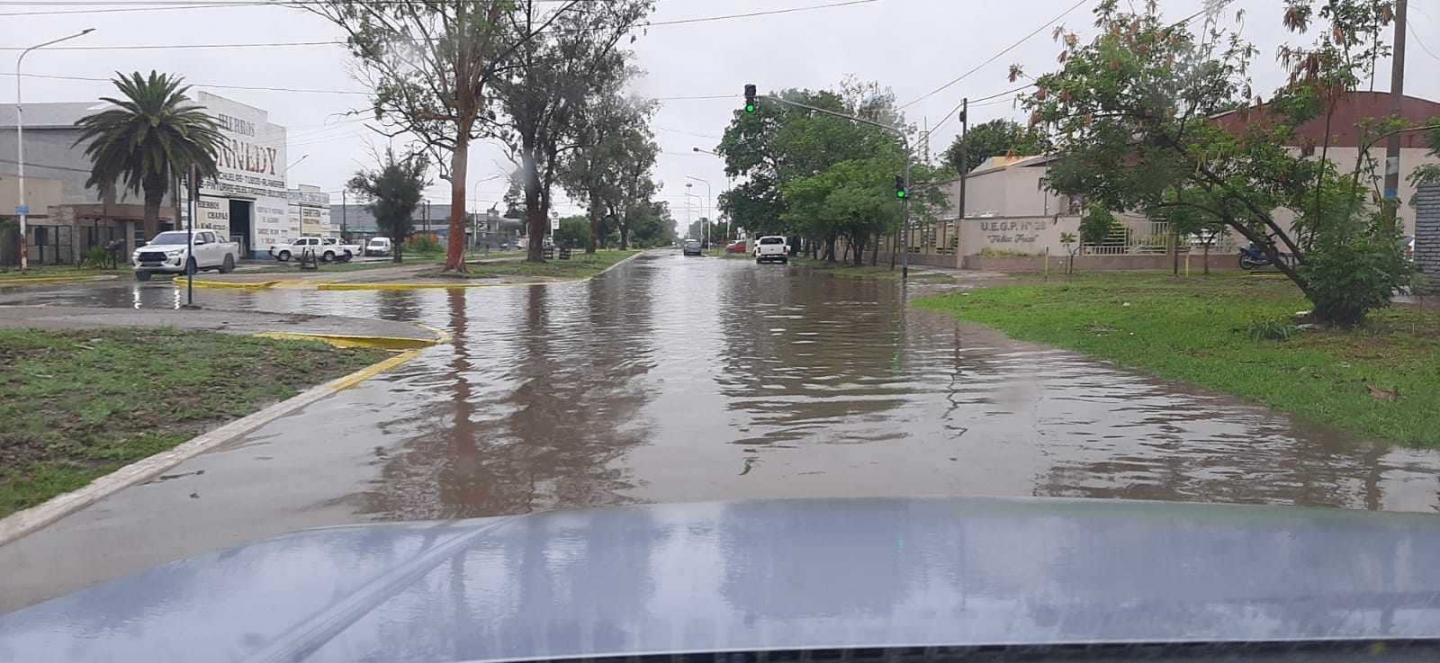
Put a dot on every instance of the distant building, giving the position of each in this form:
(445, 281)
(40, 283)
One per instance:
(487, 228)
(309, 214)
(248, 202)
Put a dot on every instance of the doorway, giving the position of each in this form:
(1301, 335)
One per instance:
(240, 225)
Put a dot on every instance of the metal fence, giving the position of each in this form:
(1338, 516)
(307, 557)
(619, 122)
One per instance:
(1146, 237)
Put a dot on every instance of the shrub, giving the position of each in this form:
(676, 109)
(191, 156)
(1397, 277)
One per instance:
(424, 245)
(96, 258)
(1271, 330)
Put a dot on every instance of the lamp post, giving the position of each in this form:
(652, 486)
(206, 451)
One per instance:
(21, 209)
(709, 212)
(729, 229)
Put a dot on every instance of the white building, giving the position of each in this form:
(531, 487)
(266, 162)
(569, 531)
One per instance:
(309, 214)
(248, 202)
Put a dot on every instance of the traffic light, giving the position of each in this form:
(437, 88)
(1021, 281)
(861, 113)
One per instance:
(750, 98)
(900, 191)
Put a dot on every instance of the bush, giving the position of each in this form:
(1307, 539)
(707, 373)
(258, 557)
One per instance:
(97, 258)
(424, 245)
(1271, 330)
(1348, 274)
(992, 252)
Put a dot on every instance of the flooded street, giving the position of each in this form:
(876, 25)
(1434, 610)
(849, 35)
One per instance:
(680, 379)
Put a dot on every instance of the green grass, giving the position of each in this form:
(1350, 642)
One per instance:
(580, 265)
(1202, 330)
(52, 271)
(78, 405)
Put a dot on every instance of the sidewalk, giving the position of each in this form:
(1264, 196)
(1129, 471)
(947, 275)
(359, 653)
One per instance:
(231, 322)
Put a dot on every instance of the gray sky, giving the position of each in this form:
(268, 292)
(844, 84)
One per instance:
(913, 46)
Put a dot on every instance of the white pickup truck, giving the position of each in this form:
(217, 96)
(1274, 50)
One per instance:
(772, 248)
(167, 254)
(327, 249)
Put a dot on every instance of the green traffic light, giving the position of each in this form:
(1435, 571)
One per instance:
(900, 193)
(749, 108)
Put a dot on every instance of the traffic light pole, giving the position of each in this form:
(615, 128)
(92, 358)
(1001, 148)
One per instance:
(905, 141)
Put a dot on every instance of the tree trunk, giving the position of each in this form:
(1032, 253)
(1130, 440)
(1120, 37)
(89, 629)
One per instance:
(1174, 251)
(1206, 268)
(594, 238)
(459, 164)
(624, 236)
(154, 195)
(535, 220)
(830, 249)
(875, 251)
(860, 251)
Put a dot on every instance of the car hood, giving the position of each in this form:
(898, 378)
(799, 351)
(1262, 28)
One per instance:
(765, 575)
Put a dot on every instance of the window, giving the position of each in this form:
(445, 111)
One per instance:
(772, 240)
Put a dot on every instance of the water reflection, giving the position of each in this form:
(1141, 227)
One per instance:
(676, 379)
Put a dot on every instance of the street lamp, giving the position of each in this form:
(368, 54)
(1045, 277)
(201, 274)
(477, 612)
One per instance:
(21, 209)
(294, 163)
(708, 211)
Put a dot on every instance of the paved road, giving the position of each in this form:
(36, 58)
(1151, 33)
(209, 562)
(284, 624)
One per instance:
(679, 379)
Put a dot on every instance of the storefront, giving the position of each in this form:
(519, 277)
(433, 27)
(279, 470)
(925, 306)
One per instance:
(248, 201)
(309, 214)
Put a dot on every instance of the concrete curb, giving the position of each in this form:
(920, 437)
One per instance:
(350, 341)
(52, 280)
(179, 282)
(21, 523)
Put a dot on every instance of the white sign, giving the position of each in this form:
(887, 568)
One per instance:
(251, 164)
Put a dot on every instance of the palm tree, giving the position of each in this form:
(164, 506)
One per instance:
(146, 137)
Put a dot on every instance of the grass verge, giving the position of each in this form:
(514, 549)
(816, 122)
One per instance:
(79, 405)
(1202, 330)
(54, 271)
(580, 265)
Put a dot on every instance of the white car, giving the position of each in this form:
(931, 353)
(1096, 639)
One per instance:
(378, 246)
(167, 254)
(772, 248)
(326, 249)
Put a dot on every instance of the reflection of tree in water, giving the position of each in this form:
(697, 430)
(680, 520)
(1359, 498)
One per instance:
(838, 357)
(568, 397)
(397, 305)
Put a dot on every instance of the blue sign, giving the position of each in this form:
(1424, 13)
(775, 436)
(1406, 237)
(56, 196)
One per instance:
(22, 210)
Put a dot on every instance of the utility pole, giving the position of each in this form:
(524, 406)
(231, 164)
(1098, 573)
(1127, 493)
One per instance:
(1397, 107)
(344, 212)
(964, 168)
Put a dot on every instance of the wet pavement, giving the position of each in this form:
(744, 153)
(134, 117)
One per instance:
(680, 379)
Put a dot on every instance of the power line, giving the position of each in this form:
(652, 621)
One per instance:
(996, 56)
(158, 47)
(262, 88)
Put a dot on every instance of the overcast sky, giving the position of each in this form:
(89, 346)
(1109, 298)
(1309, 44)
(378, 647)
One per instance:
(912, 46)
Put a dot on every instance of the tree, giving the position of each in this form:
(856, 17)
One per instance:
(1130, 113)
(650, 224)
(994, 138)
(151, 135)
(574, 232)
(557, 80)
(610, 168)
(429, 62)
(394, 190)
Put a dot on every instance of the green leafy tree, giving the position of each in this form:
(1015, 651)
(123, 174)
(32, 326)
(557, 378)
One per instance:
(610, 168)
(574, 232)
(651, 225)
(994, 138)
(1130, 115)
(559, 79)
(394, 190)
(149, 135)
(1429, 173)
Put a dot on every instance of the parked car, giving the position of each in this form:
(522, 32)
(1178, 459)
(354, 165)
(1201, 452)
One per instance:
(378, 246)
(735, 247)
(327, 249)
(167, 254)
(772, 248)
(691, 247)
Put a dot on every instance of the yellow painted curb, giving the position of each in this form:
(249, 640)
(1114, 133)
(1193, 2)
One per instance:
(410, 286)
(347, 341)
(179, 282)
(372, 370)
(51, 280)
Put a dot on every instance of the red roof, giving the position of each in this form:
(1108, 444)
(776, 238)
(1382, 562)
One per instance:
(1345, 125)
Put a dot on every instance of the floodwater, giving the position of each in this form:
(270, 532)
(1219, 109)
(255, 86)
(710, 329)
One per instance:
(678, 379)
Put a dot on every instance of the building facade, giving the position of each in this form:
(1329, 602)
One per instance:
(248, 201)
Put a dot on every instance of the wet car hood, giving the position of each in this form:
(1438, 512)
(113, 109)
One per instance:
(764, 575)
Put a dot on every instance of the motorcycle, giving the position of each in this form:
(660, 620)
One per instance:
(1252, 257)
